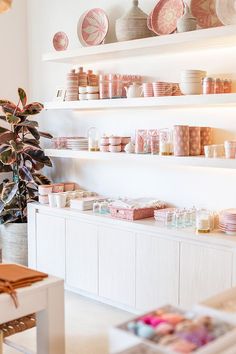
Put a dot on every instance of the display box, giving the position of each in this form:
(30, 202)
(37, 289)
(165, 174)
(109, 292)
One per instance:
(123, 341)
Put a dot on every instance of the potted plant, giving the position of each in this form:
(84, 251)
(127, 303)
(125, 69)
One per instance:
(22, 157)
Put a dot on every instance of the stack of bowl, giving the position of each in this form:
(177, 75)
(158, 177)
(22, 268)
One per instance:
(191, 82)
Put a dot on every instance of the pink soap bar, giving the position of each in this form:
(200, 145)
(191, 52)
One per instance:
(164, 328)
(173, 318)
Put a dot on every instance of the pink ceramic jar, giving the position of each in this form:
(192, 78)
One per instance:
(104, 140)
(104, 148)
(125, 140)
(115, 148)
(115, 140)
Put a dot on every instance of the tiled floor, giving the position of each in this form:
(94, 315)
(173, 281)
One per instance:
(87, 323)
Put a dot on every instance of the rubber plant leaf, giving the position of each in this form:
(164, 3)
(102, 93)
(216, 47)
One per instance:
(45, 135)
(5, 168)
(32, 109)
(29, 123)
(25, 174)
(11, 119)
(40, 179)
(6, 137)
(39, 156)
(23, 96)
(9, 191)
(7, 156)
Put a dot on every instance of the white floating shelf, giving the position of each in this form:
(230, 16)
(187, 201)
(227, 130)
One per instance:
(198, 161)
(220, 37)
(168, 102)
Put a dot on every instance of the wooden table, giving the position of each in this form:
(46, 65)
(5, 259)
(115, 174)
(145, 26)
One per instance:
(46, 299)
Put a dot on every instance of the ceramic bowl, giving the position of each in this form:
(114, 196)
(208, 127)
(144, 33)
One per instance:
(92, 96)
(83, 96)
(115, 140)
(191, 88)
(104, 140)
(104, 148)
(82, 89)
(44, 190)
(92, 89)
(125, 140)
(115, 148)
(43, 199)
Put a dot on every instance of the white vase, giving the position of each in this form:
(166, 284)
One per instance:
(187, 22)
(14, 243)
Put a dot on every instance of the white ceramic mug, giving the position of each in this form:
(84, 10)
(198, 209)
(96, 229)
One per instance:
(209, 151)
(52, 200)
(61, 200)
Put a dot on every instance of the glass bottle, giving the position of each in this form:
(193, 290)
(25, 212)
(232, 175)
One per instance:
(203, 221)
(93, 139)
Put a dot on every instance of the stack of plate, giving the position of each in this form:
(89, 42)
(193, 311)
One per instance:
(77, 143)
(228, 221)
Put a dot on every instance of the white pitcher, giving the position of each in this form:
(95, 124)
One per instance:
(134, 90)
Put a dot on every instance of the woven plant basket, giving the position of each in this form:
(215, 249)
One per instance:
(14, 243)
(133, 25)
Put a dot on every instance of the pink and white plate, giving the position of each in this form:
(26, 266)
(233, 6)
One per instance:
(60, 41)
(165, 15)
(205, 13)
(93, 27)
(227, 222)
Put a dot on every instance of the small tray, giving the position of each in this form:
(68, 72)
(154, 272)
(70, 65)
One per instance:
(132, 214)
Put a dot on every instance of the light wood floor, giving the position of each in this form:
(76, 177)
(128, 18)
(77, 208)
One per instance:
(87, 323)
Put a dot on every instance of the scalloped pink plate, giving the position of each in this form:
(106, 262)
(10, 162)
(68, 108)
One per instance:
(60, 41)
(205, 13)
(93, 27)
(165, 15)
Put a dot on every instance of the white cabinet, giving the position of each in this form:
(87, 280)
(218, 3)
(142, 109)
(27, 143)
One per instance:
(82, 256)
(50, 240)
(117, 265)
(157, 271)
(204, 272)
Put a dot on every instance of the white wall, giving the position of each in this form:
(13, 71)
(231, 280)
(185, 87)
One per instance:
(14, 55)
(179, 185)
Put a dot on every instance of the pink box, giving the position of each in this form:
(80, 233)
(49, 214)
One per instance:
(132, 214)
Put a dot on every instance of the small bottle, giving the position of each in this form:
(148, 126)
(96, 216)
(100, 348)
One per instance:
(104, 208)
(219, 86)
(208, 86)
(104, 86)
(82, 77)
(93, 139)
(203, 221)
(227, 86)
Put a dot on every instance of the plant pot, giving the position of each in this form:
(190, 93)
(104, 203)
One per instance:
(14, 243)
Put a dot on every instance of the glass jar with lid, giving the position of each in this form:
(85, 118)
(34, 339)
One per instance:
(203, 221)
(115, 86)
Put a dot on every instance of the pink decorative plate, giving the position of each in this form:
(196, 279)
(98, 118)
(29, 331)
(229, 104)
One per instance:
(205, 12)
(60, 41)
(93, 27)
(165, 15)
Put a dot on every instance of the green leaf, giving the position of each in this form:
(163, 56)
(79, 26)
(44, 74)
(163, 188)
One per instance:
(10, 107)
(31, 142)
(4, 130)
(34, 133)
(29, 123)
(45, 135)
(3, 118)
(22, 96)
(11, 119)
(7, 156)
(9, 191)
(25, 174)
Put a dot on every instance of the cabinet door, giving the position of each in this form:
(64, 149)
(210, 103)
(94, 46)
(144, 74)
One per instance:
(82, 256)
(204, 272)
(157, 272)
(51, 244)
(117, 265)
